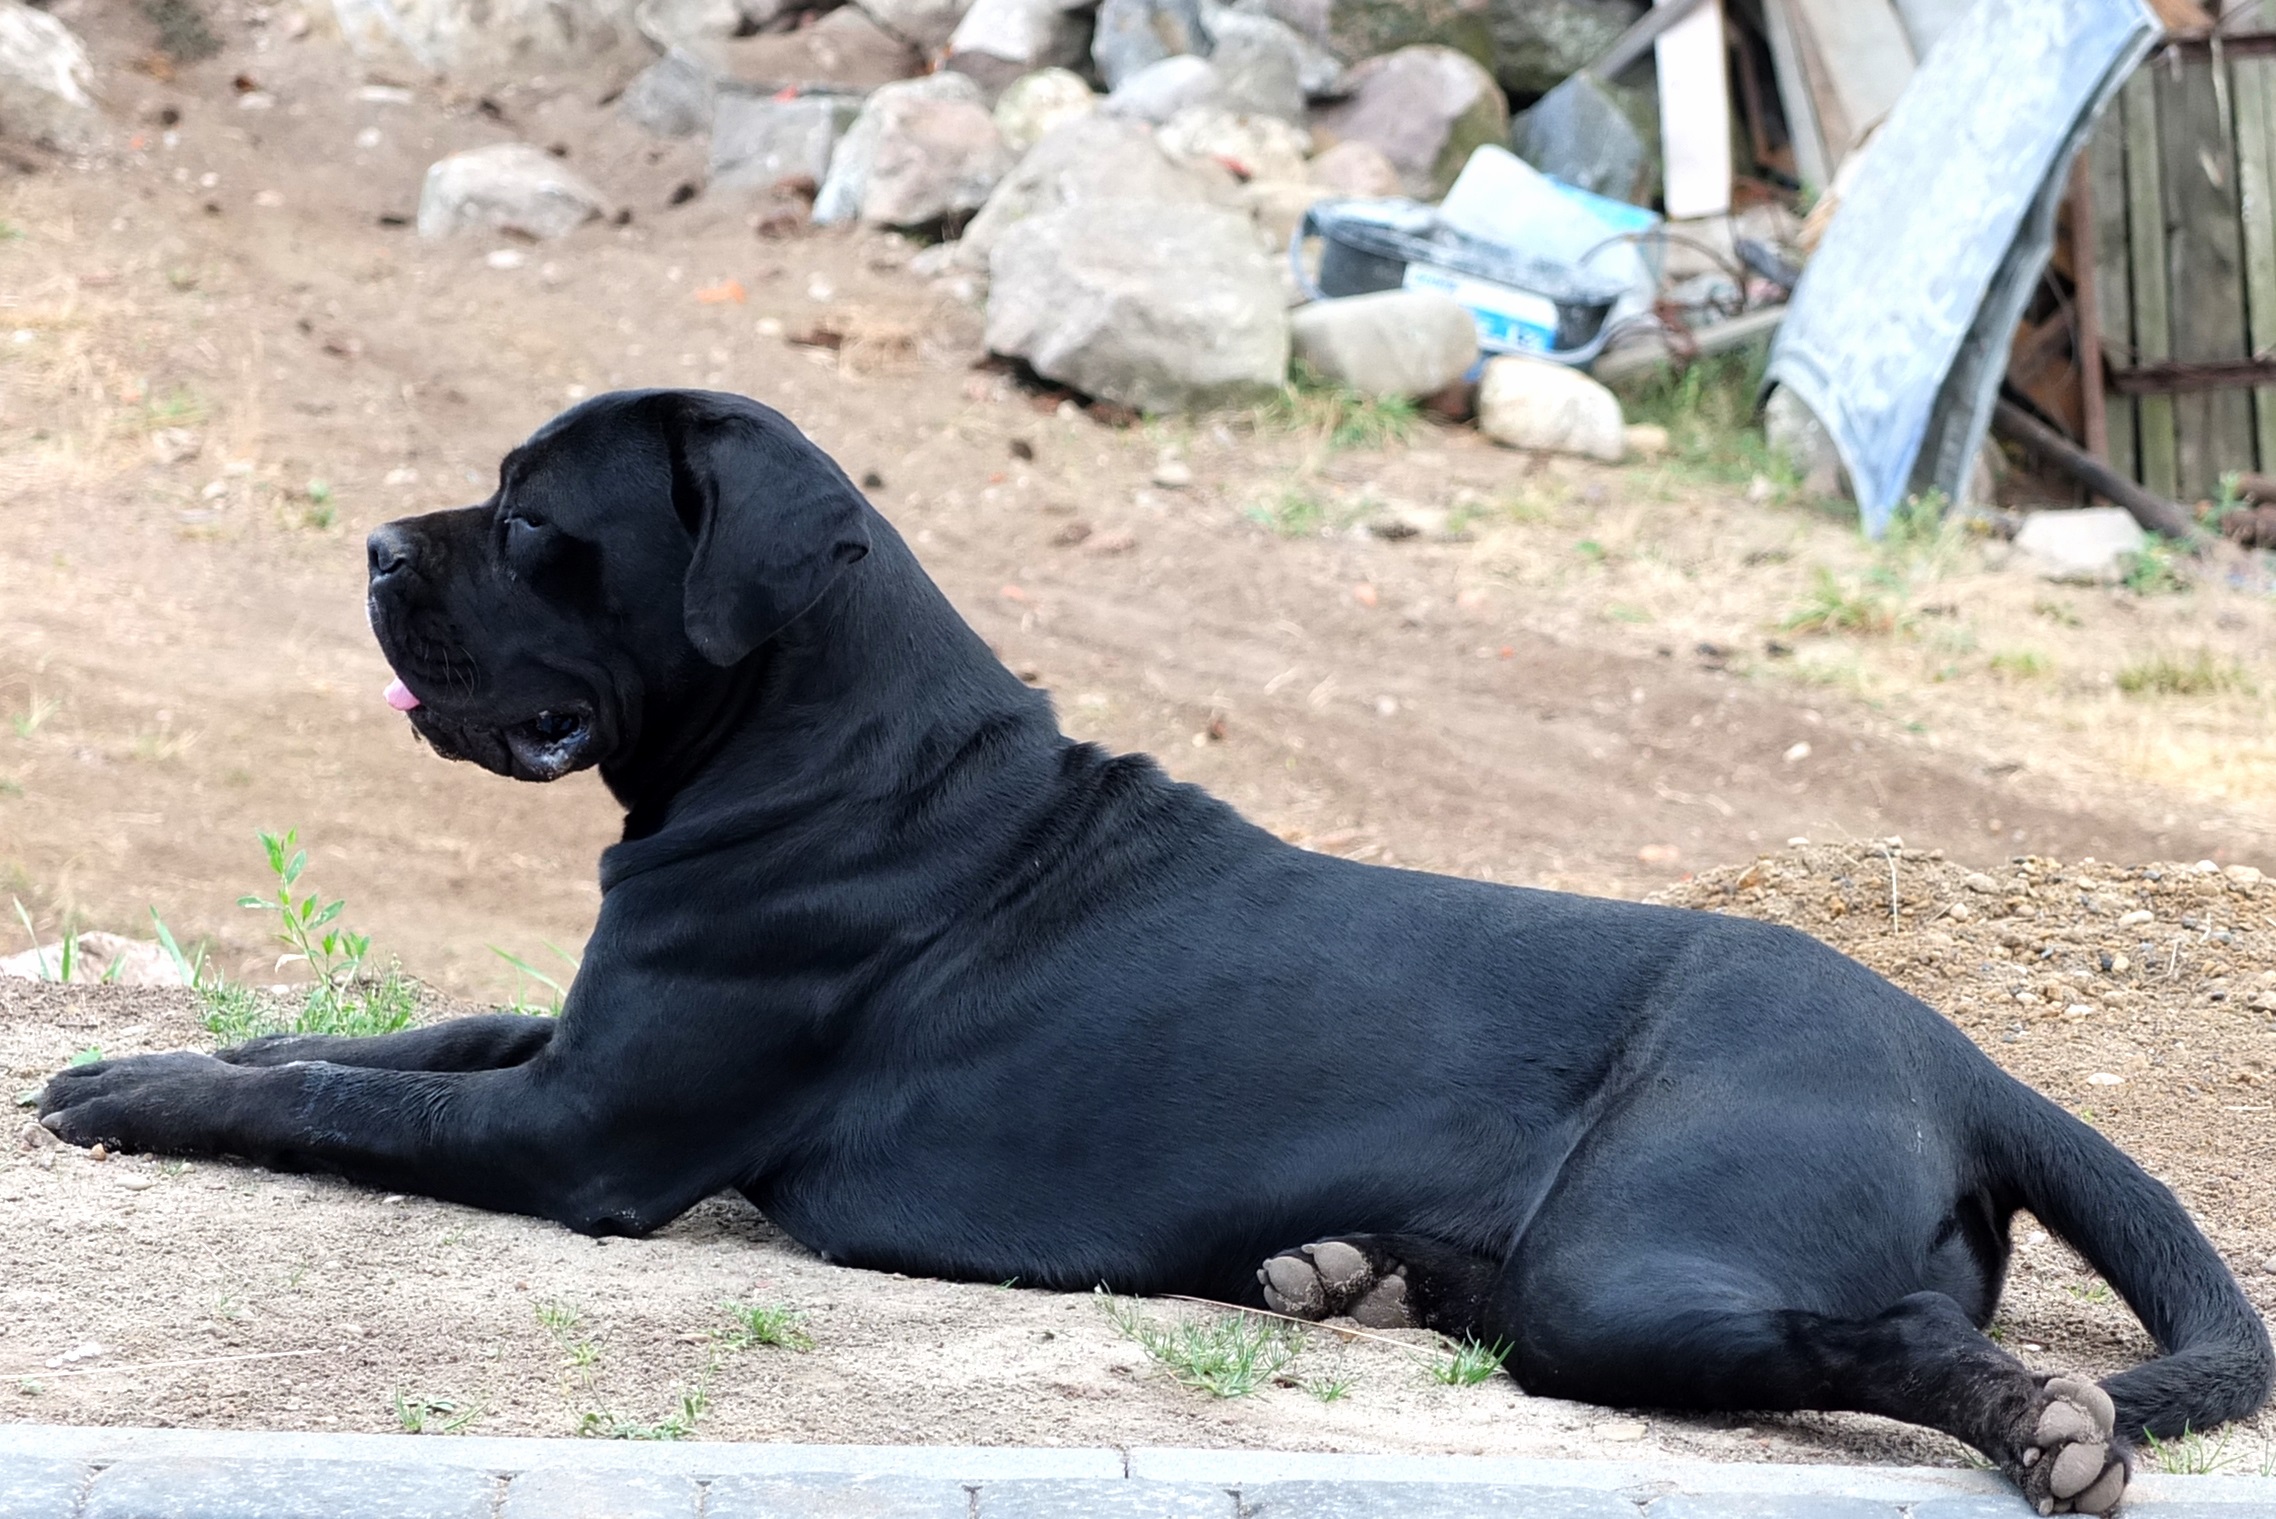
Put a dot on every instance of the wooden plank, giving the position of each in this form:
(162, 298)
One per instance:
(2145, 246)
(1794, 97)
(1859, 61)
(2204, 269)
(2113, 290)
(2253, 88)
(1695, 114)
(2086, 338)
(2182, 15)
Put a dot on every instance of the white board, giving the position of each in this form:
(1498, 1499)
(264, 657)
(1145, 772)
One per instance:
(1695, 113)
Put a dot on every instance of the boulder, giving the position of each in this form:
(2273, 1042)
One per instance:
(1160, 90)
(1093, 158)
(2093, 544)
(1370, 28)
(1313, 18)
(482, 39)
(673, 97)
(1537, 44)
(1392, 343)
(1164, 308)
(1250, 147)
(759, 141)
(1427, 108)
(845, 188)
(937, 159)
(1135, 34)
(684, 23)
(1278, 205)
(1355, 168)
(1036, 103)
(1546, 408)
(925, 25)
(1261, 66)
(1582, 135)
(845, 51)
(1000, 40)
(46, 82)
(506, 187)
(1800, 442)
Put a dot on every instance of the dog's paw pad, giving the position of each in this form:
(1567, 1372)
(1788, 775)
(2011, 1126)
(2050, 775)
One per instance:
(1324, 1280)
(2073, 1462)
(1385, 1306)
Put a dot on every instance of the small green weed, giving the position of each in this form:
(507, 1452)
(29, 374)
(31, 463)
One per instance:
(179, 407)
(2020, 664)
(1338, 417)
(2059, 612)
(1227, 1356)
(676, 1425)
(1294, 513)
(1327, 1389)
(1591, 550)
(1832, 607)
(2197, 674)
(526, 974)
(35, 715)
(2155, 570)
(344, 999)
(2092, 1292)
(558, 1318)
(1708, 410)
(88, 1056)
(433, 1416)
(321, 512)
(1467, 1363)
(766, 1324)
(2191, 1453)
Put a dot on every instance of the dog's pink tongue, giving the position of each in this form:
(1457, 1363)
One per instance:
(399, 696)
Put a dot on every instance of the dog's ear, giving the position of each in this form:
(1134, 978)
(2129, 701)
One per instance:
(774, 521)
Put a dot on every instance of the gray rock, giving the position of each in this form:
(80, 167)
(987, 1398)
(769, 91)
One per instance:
(1260, 66)
(1798, 440)
(1538, 43)
(1134, 34)
(1161, 307)
(1578, 133)
(2090, 545)
(683, 23)
(936, 159)
(1160, 90)
(1392, 343)
(1426, 107)
(845, 187)
(1095, 158)
(999, 40)
(479, 39)
(1310, 17)
(46, 82)
(1253, 147)
(1355, 168)
(508, 187)
(1037, 103)
(925, 25)
(1370, 28)
(1543, 407)
(757, 141)
(672, 97)
(35, 1487)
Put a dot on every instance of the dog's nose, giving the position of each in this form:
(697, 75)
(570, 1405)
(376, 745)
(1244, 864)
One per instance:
(388, 551)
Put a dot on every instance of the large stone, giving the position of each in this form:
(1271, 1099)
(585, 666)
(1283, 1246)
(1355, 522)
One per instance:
(1094, 158)
(1578, 133)
(1426, 107)
(845, 189)
(1311, 17)
(673, 97)
(2091, 545)
(925, 25)
(46, 82)
(482, 39)
(1546, 408)
(844, 51)
(1036, 104)
(1539, 43)
(1355, 168)
(506, 187)
(1261, 66)
(1000, 40)
(1250, 147)
(1800, 442)
(936, 160)
(1370, 28)
(758, 141)
(1392, 343)
(1159, 91)
(1161, 307)
(684, 23)
(1135, 34)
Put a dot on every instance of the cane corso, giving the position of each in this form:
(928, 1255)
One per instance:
(945, 992)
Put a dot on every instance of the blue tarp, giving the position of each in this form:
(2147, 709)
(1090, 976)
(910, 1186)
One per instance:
(1897, 336)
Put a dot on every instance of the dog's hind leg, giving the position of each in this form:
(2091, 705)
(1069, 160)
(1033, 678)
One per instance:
(486, 1042)
(1384, 1281)
(1685, 1332)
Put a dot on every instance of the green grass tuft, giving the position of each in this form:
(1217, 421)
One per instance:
(1228, 1355)
(2198, 674)
(773, 1324)
(1467, 1363)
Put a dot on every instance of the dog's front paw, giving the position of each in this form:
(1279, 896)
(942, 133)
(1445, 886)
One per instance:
(143, 1102)
(2073, 1461)
(1333, 1278)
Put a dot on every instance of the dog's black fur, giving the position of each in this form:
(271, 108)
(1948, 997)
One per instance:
(944, 992)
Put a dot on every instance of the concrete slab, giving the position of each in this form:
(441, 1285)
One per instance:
(1429, 1500)
(148, 1488)
(1118, 1499)
(40, 1487)
(837, 1497)
(550, 1494)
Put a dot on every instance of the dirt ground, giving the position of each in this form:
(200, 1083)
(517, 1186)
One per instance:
(223, 359)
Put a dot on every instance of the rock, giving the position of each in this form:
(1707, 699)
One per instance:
(1369, 28)
(844, 52)
(1135, 34)
(758, 141)
(1309, 18)
(481, 38)
(1036, 103)
(1172, 474)
(672, 97)
(1355, 168)
(46, 81)
(1159, 91)
(1426, 108)
(1251, 147)
(1161, 307)
(1278, 206)
(1534, 404)
(999, 40)
(1798, 440)
(1093, 158)
(936, 159)
(1261, 66)
(888, 112)
(1980, 883)
(137, 962)
(507, 187)
(925, 25)
(674, 24)
(1580, 135)
(1537, 44)
(1392, 343)
(1647, 440)
(175, 445)
(2091, 545)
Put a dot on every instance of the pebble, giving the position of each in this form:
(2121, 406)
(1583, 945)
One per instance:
(1798, 753)
(1621, 1429)
(2105, 1079)
(138, 1183)
(98, 1153)
(2079, 1010)
(1981, 882)
(1173, 474)
(2138, 916)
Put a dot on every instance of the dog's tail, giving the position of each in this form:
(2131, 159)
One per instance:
(2217, 1364)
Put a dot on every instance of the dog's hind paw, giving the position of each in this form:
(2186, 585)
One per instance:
(1331, 1279)
(2073, 1461)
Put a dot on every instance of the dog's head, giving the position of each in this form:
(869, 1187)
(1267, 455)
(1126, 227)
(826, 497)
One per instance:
(637, 544)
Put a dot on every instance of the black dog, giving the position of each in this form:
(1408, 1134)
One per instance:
(944, 992)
